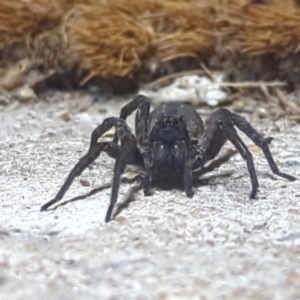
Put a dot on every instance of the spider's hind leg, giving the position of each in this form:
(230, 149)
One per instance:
(261, 142)
(219, 129)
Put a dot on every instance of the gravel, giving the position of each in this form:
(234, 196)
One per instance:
(218, 245)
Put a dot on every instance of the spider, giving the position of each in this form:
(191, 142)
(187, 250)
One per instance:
(169, 142)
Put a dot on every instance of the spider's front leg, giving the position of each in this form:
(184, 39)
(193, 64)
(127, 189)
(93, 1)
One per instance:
(142, 104)
(94, 151)
(128, 154)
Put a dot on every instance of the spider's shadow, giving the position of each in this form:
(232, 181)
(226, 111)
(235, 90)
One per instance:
(159, 185)
(197, 182)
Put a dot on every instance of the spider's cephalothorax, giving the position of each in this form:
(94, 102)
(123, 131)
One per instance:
(169, 142)
(170, 135)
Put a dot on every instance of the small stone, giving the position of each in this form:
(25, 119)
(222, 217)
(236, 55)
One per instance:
(275, 127)
(238, 106)
(25, 94)
(261, 112)
(65, 116)
(293, 277)
(294, 211)
(84, 182)
(4, 100)
(122, 220)
(4, 232)
(255, 149)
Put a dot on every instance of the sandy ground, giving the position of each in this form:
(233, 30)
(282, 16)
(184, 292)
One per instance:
(218, 245)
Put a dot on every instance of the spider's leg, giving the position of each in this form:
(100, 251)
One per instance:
(93, 152)
(219, 129)
(83, 163)
(129, 108)
(142, 104)
(246, 154)
(142, 129)
(210, 144)
(119, 168)
(215, 163)
(127, 155)
(188, 179)
(260, 141)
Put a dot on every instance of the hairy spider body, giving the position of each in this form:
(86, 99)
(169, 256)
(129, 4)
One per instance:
(169, 142)
(172, 128)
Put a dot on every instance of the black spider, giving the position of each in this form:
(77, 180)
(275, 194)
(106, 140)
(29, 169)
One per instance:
(169, 142)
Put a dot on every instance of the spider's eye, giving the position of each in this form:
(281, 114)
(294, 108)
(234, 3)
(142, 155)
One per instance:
(164, 124)
(171, 124)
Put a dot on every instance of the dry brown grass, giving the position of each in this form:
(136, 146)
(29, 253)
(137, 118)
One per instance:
(258, 29)
(108, 42)
(21, 22)
(116, 37)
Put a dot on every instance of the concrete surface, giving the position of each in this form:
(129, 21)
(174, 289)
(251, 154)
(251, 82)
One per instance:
(218, 245)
